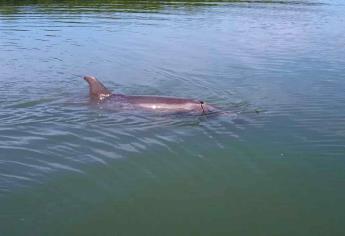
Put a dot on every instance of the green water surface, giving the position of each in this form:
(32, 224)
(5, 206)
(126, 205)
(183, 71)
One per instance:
(271, 164)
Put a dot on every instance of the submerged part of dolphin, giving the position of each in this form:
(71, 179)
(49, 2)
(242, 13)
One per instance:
(101, 94)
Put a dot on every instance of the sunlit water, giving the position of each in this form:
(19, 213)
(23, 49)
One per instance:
(271, 164)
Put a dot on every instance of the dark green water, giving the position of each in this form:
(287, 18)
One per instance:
(69, 168)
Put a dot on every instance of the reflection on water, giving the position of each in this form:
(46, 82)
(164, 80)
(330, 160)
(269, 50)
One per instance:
(271, 162)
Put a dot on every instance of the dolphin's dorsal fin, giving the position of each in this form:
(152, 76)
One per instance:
(96, 88)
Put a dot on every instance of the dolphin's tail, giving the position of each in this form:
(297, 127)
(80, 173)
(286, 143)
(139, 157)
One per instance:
(96, 88)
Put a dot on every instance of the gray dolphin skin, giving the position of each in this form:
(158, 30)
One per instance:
(98, 92)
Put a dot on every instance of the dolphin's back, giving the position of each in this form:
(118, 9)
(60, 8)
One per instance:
(160, 100)
(170, 104)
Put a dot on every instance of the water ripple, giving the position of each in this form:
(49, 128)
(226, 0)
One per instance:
(277, 81)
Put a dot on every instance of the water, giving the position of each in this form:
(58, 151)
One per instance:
(273, 166)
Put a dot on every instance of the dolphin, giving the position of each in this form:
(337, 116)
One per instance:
(99, 93)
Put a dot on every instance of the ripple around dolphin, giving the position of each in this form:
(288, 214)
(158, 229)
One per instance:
(66, 130)
(50, 138)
